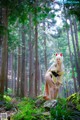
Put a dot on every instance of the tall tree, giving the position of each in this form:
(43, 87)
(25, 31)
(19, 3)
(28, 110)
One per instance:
(36, 50)
(76, 39)
(23, 62)
(30, 57)
(72, 65)
(36, 59)
(19, 71)
(1, 30)
(4, 51)
(76, 61)
(39, 78)
(45, 48)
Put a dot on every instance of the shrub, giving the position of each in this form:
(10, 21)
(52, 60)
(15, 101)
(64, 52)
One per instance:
(27, 111)
(7, 98)
(60, 112)
(8, 105)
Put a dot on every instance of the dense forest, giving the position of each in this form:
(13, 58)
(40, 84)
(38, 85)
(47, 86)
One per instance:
(31, 33)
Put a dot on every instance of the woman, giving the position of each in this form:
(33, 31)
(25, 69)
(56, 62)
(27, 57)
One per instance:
(53, 78)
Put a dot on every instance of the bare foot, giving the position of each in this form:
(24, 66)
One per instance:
(46, 98)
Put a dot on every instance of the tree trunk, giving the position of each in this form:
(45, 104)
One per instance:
(67, 90)
(30, 59)
(45, 50)
(19, 71)
(4, 52)
(12, 73)
(6, 80)
(36, 50)
(39, 78)
(1, 24)
(26, 85)
(72, 66)
(26, 74)
(30, 70)
(13, 68)
(76, 39)
(0, 58)
(36, 59)
(23, 62)
(75, 54)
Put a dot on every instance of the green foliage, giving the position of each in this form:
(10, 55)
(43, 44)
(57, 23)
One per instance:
(27, 110)
(1, 97)
(74, 101)
(7, 98)
(8, 3)
(73, 7)
(8, 105)
(8, 92)
(6, 102)
(62, 112)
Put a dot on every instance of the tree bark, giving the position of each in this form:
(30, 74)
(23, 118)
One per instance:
(15, 73)
(45, 50)
(23, 62)
(72, 66)
(36, 50)
(75, 54)
(76, 39)
(36, 59)
(70, 53)
(4, 52)
(39, 78)
(19, 71)
(30, 58)
(1, 24)
(0, 58)
(12, 73)
(6, 80)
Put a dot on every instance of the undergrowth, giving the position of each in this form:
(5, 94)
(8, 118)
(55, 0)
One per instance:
(64, 112)
(28, 111)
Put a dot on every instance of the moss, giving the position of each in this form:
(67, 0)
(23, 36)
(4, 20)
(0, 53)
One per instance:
(73, 96)
(74, 101)
(39, 101)
(7, 98)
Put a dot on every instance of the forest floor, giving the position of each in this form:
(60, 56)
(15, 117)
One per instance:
(39, 109)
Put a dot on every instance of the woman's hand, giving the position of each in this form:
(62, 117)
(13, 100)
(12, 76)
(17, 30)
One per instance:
(60, 73)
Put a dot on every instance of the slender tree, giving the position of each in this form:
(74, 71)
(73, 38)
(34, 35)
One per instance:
(45, 48)
(72, 65)
(76, 61)
(23, 62)
(76, 39)
(4, 51)
(36, 50)
(30, 58)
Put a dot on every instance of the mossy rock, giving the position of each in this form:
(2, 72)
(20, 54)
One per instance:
(72, 97)
(39, 101)
(50, 104)
(74, 101)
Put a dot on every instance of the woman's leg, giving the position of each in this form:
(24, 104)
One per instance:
(49, 87)
(56, 92)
